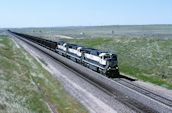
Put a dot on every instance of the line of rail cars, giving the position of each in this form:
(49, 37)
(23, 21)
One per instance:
(105, 63)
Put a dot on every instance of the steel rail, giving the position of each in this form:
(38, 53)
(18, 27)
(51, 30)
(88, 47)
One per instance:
(129, 102)
(145, 91)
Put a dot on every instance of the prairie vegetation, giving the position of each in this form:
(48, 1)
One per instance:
(115, 31)
(19, 73)
(144, 51)
(145, 58)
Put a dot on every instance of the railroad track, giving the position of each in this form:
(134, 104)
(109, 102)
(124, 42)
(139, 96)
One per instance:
(139, 107)
(111, 93)
(146, 92)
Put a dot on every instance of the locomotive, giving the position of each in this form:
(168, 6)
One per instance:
(100, 61)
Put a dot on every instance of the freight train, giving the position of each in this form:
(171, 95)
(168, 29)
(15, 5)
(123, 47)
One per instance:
(100, 61)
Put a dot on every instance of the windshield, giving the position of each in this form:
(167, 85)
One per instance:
(114, 57)
(106, 57)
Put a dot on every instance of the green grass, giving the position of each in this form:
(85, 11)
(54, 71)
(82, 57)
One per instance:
(18, 71)
(144, 58)
(120, 31)
(153, 79)
(144, 51)
(91, 42)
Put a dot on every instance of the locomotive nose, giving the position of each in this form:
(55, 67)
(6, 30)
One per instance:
(112, 62)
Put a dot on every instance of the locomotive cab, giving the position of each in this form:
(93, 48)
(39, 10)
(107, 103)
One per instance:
(79, 51)
(108, 58)
(64, 47)
(110, 62)
(61, 45)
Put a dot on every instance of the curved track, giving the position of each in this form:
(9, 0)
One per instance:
(139, 107)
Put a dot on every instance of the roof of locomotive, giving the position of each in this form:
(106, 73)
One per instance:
(89, 50)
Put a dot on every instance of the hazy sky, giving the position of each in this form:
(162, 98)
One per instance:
(49, 13)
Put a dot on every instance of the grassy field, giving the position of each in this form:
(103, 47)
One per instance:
(145, 58)
(115, 31)
(144, 51)
(18, 94)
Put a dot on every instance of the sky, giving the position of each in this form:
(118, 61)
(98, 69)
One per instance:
(54, 13)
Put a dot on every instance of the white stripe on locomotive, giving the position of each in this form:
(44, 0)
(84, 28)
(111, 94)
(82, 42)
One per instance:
(62, 47)
(72, 50)
(89, 56)
(95, 58)
(77, 52)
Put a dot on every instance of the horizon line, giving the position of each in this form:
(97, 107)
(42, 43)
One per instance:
(82, 26)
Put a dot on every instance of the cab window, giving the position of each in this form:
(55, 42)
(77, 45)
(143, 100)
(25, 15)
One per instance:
(114, 57)
(106, 56)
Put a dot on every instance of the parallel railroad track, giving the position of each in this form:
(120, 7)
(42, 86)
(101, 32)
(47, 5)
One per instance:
(145, 91)
(115, 95)
(129, 102)
(138, 107)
